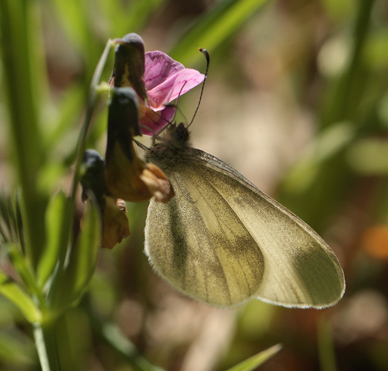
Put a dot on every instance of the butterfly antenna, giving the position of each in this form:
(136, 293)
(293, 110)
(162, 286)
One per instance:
(207, 56)
(184, 118)
(155, 134)
(141, 145)
(177, 101)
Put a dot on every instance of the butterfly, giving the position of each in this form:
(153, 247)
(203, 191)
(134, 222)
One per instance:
(222, 241)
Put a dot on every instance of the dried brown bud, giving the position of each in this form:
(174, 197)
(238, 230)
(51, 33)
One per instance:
(114, 222)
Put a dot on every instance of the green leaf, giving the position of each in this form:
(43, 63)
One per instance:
(117, 340)
(127, 17)
(339, 10)
(57, 128)
(326, 146)
(224, 19)
(10, 218)
(369, 156)
(20, 264)
(17, 350)
(120, 343)
(140, 11)
(58, 226)
(23, 78)
(82, 260)
(16, 295)
(257, 360)
(74, 16)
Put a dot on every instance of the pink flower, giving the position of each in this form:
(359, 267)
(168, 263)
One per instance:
(165, 80)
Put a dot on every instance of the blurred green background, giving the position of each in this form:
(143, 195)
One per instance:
(296, 100)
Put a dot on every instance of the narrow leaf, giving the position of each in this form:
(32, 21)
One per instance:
(84, 262)
(83, 259)
(58, 225)
(16, 295)
(257, 360)
(117, 341)
(20, 264)
(215, 27)
(17, 350)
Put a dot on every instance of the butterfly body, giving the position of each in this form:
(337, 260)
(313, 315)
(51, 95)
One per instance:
(223, 241)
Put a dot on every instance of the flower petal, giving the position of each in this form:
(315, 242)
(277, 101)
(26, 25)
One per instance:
(164, 78)
(157, 183)
(174, 86)
(125, 174)
(155, 121)
(131, 179)
(158, 67)
(185, 81)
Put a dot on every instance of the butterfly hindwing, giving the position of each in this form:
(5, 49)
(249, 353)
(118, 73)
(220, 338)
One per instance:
(221, 240)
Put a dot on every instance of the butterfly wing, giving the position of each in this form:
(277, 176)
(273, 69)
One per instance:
(221, 240)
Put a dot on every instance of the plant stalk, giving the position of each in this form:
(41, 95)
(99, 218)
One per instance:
(18, 25)
(46, 345)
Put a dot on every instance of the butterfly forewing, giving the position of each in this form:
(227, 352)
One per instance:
(221, 240)
(199, 245)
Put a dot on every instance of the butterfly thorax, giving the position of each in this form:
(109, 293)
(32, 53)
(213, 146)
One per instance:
(171, 147)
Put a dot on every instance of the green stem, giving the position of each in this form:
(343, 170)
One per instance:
(88, 115)
(327, 359)
(18, 25)
(57, 282)
(46, 344)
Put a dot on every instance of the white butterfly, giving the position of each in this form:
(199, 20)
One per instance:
(223, 241)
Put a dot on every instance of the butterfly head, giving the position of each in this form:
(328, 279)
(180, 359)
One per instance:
(179, 134)
(172, 145)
